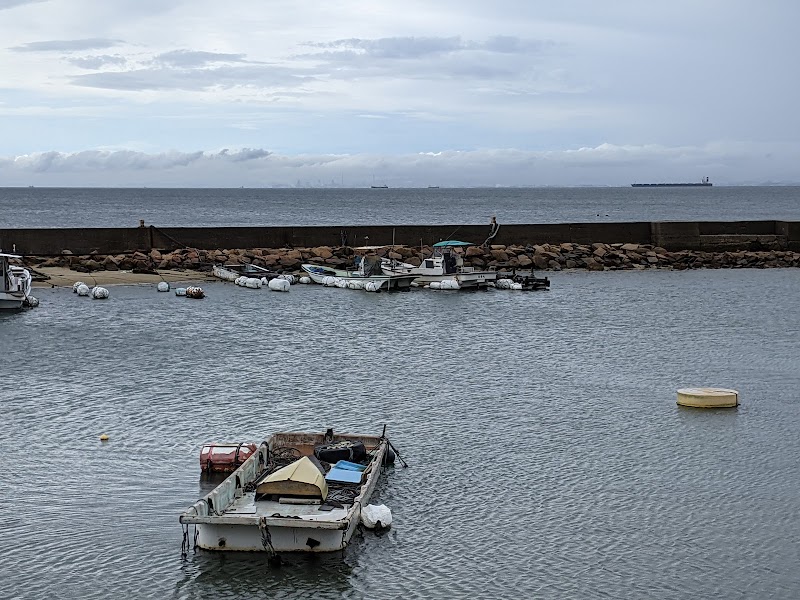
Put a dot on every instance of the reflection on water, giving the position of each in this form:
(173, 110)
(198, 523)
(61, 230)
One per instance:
(547, 455)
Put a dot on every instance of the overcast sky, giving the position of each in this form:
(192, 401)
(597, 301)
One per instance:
(410, 93)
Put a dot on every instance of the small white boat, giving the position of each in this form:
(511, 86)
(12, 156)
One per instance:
(15, 284)
(233, 272)
(368, 269)
(444, 265)
(298, 492)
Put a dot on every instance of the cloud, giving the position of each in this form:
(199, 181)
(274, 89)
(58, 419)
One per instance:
(67, 45)
(193, 79)
(96, 62)
(424, 47)
(187, 59)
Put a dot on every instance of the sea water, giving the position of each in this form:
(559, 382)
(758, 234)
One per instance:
(547, 456)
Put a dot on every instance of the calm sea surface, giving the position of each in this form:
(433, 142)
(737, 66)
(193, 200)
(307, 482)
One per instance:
(71, 207)
(548, 457)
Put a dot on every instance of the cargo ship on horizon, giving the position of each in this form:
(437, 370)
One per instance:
(702, 183)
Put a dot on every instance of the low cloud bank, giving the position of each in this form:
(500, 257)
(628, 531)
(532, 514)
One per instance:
(606, 164)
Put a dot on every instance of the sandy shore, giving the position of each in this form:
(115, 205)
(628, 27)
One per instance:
(62, 277)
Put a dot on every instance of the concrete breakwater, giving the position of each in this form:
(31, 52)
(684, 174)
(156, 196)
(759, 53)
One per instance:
(545, 257)
(595, 246)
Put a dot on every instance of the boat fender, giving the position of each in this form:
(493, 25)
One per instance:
(305, 280)
(341, 283)
(278, 285)
(389, 457)
(288, 277)
(180, 291)
(99, 293)
(355, 285)
(450, 284)
(329, 281)
(515, 286)
(373, 286)
(435, 285)
(30, 302)
(503, 284)
(162, 286)
(376, 516)
(82, 290)
(344, 450)
(195, 292)
(76, 285)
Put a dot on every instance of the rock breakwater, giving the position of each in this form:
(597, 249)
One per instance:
(544, 257)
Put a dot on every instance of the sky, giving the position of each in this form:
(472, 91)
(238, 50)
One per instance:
(350, 93)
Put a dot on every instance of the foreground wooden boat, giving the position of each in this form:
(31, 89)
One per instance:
(279, 500)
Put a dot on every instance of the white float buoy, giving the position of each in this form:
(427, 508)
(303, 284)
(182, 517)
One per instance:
(99, 293)
(76, 285)
(180, 291)
(376, 516)
(305, 280)
(162, 286)
(708, 397)
(278, 285)
(82, 290)
(373, 286)
(288, 277)
(329, 281)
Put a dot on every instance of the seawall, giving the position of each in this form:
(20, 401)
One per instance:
(706, 236)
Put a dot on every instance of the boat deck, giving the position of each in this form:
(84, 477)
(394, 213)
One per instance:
(247, 505)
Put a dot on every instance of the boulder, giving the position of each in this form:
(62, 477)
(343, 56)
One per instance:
(540, 260)
(323, 252)
(473, 251)
(524, 261)
(499, 254)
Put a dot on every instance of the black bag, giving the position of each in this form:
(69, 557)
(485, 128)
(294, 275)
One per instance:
(344, 450)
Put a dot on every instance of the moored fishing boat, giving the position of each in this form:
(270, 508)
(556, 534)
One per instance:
(367, 271)
(232, 272)
(446, 264)
(298, 492)
(15, 284)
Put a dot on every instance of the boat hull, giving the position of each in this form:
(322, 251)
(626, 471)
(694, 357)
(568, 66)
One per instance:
(248, 538)
(11, 300)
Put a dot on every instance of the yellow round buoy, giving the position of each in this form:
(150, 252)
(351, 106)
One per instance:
(104, 438)
(708, 397)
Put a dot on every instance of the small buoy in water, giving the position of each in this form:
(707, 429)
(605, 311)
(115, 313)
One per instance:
(373, 286)
(99, 293)
(305, 280)
(180, 291)
(82, 290)
(288, 277)
(76, 285)
(162, 286)
(30, 302)
(103, 437)
(708, 397)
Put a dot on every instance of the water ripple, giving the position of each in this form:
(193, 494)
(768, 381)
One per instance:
(548, 458)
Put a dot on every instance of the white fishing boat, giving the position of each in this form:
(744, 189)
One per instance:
(15, 284)
(232, 272)
(444, 265)
(368, 269)
(298, 492)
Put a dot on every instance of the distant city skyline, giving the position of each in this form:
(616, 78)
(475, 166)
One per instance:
(446, 93)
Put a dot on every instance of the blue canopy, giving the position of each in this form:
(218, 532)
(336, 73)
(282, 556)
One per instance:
(452, 243)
